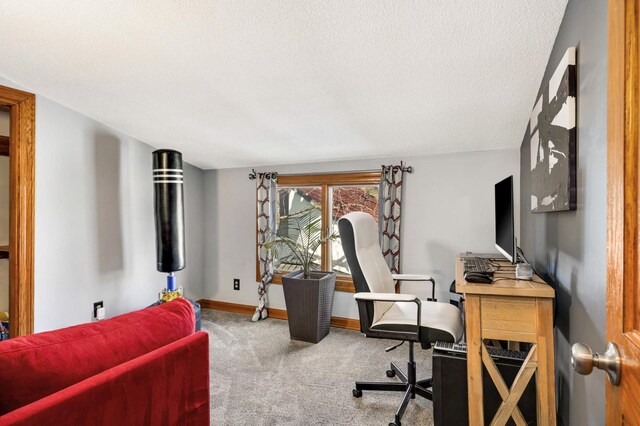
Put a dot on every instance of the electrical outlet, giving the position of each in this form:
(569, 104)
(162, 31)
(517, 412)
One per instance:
(236, 284)
(98, 310)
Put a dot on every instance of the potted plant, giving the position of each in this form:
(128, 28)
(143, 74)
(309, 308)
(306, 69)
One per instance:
(308, 292)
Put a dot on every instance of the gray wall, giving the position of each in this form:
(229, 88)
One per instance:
(570, 247)
(447, 208)
(94, 230)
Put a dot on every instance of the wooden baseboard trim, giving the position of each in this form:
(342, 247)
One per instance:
(227, 307)
(338, 322)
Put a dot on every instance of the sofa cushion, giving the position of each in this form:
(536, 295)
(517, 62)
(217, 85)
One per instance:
(34, 366)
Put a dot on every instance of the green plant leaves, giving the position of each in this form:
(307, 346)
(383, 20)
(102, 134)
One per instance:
(301, 233)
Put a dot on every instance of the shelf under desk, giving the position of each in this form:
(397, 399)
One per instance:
(513, 310)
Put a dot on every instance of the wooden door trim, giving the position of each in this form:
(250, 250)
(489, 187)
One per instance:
(21, 209)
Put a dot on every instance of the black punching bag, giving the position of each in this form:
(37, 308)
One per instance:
(169, 206)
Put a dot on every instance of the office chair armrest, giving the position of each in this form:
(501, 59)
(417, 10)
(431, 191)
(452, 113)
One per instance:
(385, 297)
(393, 297)
(411, 277)
(417, 277)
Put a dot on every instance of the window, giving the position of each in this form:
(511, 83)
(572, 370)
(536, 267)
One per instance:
(327, 197)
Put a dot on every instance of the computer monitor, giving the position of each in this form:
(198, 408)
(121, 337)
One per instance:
(505, 234)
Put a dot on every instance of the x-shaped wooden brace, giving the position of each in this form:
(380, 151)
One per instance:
(510, 397)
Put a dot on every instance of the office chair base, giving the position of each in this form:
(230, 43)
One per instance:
(408, 384)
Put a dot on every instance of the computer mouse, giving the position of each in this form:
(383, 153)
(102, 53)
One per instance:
(474, 277)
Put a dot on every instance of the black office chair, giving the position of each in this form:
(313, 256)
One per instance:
(387, 315)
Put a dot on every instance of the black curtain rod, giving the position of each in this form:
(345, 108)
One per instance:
(274, 175)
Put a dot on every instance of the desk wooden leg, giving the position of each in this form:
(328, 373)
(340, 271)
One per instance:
(545, 376)
(474, 360)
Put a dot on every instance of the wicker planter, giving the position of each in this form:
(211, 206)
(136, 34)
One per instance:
(309, 304)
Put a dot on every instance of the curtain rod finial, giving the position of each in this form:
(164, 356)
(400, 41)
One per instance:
(407, 169)
(268, 175)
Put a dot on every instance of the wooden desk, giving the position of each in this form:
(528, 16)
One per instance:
(513, 310)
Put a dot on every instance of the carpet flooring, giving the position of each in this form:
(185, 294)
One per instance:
(259, 376)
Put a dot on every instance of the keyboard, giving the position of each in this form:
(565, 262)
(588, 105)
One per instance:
(478, 265)
(461, 348)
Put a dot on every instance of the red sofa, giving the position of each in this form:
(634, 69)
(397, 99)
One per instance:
(143, 368)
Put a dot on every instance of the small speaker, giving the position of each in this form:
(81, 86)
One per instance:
(169, 210)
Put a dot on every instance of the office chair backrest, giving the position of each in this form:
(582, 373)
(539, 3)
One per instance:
(370, 272)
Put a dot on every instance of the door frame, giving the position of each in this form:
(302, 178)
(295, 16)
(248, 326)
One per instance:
(22, 107)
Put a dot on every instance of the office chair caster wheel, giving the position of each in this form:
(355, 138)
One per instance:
(391, 373)
(357, 393)
(394, 424)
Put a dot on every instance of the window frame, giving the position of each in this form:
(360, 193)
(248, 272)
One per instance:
(324, 181)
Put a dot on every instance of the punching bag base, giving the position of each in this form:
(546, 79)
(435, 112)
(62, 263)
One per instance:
(168, 295)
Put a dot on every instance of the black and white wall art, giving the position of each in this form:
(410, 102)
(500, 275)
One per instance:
(552, 129)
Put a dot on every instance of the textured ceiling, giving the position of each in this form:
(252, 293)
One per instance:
(248, 83)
